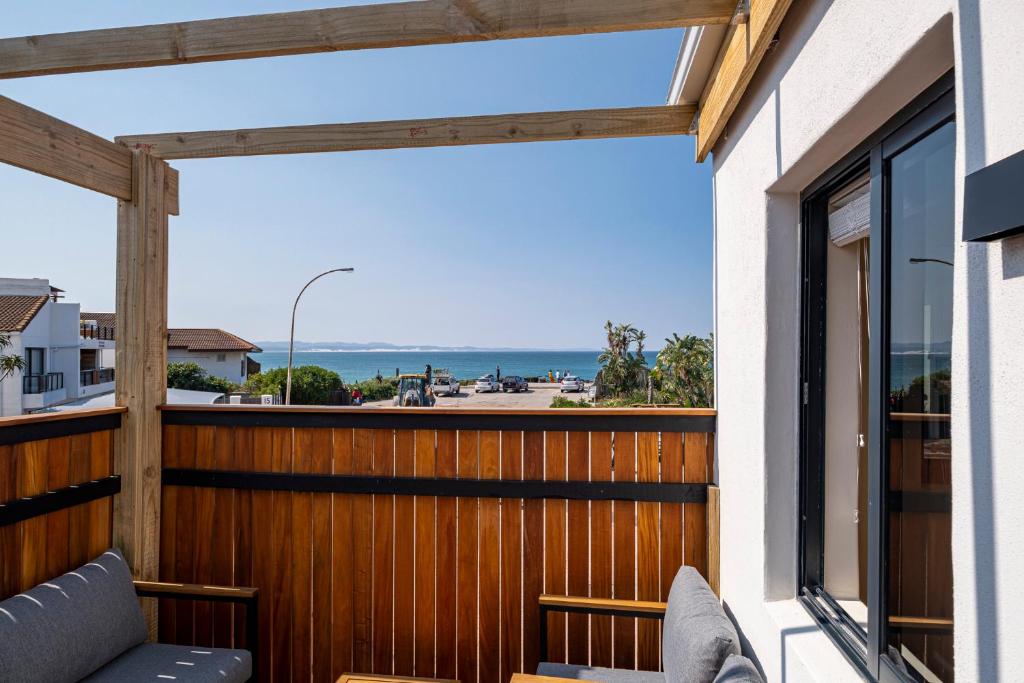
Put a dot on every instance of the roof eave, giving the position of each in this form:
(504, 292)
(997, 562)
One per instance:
(695, 63)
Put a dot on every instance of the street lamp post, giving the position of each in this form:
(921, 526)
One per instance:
(291, 340)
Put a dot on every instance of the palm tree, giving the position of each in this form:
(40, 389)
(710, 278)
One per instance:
(8, 363)
(685, 370)
(622, 371)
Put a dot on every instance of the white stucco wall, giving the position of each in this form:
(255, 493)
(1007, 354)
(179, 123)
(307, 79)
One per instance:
(988, 372)
(840, 70)
(230, 368)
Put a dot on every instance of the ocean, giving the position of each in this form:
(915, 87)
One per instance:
(354, 366)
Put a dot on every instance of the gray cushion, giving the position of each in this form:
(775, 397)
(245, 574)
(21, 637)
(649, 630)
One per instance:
(698, 636)
(64, 629)
(187, 664)
(738, 669)
(598, 673)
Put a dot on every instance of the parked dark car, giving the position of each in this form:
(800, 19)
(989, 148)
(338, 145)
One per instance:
(514, 383)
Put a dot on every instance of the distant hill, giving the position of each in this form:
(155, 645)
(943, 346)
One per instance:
(279, 346)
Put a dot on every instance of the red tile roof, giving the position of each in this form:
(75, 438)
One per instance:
(191, 338)
(16, 312)
(207, 339)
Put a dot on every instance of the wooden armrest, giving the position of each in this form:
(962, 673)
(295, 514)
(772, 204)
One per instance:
(921, 624)
(616, 607)
(192, 591)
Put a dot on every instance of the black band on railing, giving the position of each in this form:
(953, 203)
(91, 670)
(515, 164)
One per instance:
(369, 418)
(645, 492)
(51, 429)
(35, 506)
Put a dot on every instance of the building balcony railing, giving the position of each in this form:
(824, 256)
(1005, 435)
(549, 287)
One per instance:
(88, 378)
(96, 332)
(402, 541)
(40, 384)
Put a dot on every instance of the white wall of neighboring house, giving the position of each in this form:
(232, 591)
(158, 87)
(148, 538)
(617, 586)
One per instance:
(10, 388)
(54, 329)
(232, 368)
(840, 70)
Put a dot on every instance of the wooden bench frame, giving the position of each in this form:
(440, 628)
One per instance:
(642, 609)
(190, 591)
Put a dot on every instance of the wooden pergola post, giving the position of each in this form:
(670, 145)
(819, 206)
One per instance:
(141, 361)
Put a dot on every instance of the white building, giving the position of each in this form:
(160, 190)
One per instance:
(44, 332)
(220, 353)
(871, 524)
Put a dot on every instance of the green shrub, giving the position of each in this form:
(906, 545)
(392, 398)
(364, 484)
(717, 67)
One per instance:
(191, 377)
(311, 384)
(377, 391)
(563, 402)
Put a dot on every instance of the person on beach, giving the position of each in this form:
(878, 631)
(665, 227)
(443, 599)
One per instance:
(357, 397)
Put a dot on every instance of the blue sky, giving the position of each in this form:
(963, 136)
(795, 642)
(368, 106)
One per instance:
(531, 245)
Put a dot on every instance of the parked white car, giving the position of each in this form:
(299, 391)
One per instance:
(445, 386)
(572, 383)
(486, 384)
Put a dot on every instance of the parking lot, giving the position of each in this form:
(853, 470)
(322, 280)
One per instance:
(538, 396)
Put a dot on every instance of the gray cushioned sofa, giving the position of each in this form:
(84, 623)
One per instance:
(699, 641)
(88, 625)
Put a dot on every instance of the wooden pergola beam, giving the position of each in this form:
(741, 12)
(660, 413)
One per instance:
(401, 24)
(38, 142)
(738, 59)
(41, 143)
(446, 132)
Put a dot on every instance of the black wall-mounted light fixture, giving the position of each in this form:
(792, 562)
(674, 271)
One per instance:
(994, 201)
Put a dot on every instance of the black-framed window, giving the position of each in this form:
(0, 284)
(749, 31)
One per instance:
(35, 361)
(875, 538)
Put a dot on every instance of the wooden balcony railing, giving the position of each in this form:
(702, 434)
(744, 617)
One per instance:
(47, 525)
(416, 541)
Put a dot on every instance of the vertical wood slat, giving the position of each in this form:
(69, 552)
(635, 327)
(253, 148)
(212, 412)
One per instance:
(404, 535)
(342, 561)
(425, 545)
(281, 547)
(186, 537)
(242, 572)
(302, 559)
(555, 520)
(10, 535)
(696, 469)
(601, 539)
(472, 567)
(222, 535)
(533, 551)
(446, 575)
(672, 520)
(467, 520)
(648, 554)
(263, 562)
(489, 564)
(624, 573)
(362, 557)
(578, 543)
(383, 556)
(511, 559)
(168, 536)
(321, 597)
(58, 476)
(202, 571)
(32, 480)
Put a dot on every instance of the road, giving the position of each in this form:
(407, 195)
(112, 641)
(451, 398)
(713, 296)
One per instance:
(537, 396)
